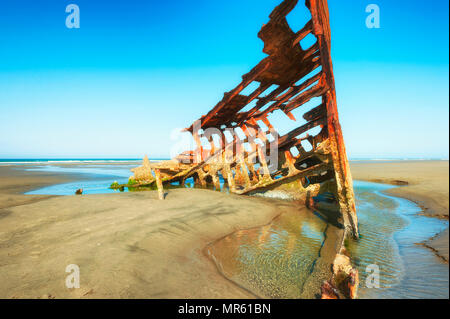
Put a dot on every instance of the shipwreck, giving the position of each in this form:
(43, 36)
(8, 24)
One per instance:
(239, 150)
(308, 163)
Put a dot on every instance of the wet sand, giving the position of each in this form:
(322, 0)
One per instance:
(131, 245)
(288, 258)
(427, 185)
(127, 245)
(14, 181)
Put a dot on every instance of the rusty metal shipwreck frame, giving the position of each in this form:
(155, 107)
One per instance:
(320, 175)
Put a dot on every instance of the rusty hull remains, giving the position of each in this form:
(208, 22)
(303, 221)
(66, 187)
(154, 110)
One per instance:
(289, 77)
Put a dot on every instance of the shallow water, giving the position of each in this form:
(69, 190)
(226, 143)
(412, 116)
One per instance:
(96, 178)
(275, 260)
(390, 229)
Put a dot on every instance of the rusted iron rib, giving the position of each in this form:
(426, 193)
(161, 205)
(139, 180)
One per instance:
(287, 79)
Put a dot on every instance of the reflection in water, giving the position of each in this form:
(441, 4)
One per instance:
(275, 260)
(96, 178)
(390, 229)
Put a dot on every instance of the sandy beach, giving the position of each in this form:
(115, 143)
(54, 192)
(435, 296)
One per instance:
(127, 245)
(132, 245)
(423, 182)
(14, 182)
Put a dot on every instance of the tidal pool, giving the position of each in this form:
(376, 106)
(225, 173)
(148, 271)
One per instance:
(275, 260)
(272, 261)
(390, 230)
(94, 179)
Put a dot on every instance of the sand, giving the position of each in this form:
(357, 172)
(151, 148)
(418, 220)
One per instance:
(127, 245)
(14, 181)
(132, 245)
(428, 186)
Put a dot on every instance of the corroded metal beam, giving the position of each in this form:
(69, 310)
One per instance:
(310, 162)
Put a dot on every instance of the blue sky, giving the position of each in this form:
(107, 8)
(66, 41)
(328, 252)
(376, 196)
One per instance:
(136, 70)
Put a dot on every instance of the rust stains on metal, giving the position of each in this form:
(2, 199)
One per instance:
(287, 79)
